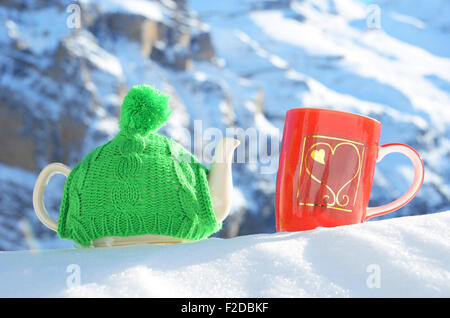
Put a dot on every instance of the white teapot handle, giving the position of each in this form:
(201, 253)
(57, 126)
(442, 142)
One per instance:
(39, 191)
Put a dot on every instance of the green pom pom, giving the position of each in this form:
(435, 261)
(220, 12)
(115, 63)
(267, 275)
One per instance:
(144, 109)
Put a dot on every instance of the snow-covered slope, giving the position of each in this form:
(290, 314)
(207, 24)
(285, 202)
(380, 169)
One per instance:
(402, 257)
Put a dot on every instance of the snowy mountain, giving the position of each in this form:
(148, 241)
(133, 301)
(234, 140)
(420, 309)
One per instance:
(402, 257)
(225, 64)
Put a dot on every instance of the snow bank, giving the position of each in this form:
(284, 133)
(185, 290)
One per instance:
(402, 257)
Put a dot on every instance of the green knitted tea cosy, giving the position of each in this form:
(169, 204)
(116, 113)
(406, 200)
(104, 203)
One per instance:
(140, 182)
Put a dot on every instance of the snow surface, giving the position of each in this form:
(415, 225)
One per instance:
(402, 257)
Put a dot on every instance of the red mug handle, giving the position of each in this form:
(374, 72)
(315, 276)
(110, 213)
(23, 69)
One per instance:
(419, 172)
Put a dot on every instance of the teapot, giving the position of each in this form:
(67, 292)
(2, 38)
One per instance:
(140, 187)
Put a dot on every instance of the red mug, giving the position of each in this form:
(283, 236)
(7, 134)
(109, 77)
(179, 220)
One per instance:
(326, 169)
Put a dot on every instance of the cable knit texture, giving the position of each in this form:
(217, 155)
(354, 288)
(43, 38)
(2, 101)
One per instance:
(140, 182)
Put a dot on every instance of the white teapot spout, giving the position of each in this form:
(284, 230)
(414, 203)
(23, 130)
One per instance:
(220, 181)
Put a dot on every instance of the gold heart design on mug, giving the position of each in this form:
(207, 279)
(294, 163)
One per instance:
(318, 155)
